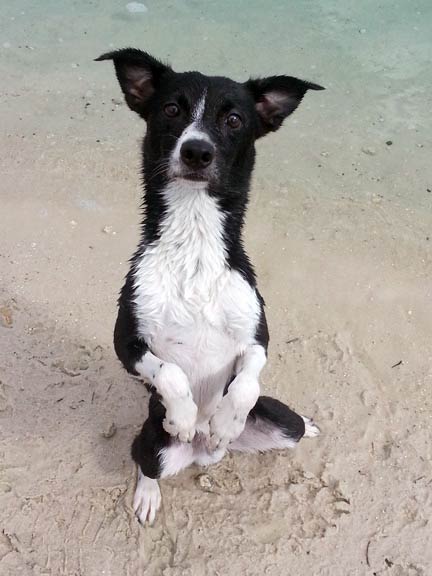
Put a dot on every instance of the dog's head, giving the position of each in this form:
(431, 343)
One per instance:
(202, 128)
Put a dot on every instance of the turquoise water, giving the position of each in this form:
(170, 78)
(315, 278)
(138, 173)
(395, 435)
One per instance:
(373, 58)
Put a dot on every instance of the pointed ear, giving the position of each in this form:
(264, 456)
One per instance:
(276, 98)
(139, 75)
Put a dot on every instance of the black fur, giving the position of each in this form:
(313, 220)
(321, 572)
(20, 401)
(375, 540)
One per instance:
(147, 446)
(280, 416)
(149, 87)
(151, 440)
(128, 345)
(262, 333)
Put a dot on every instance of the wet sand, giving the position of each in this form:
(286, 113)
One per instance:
(340, 230)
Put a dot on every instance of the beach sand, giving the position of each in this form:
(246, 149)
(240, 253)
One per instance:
(340, 230)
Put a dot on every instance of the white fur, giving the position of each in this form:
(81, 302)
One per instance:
(229, 419)
(191, 132)
(206, 458)
(147, 498)
(252, 361)
(198, 111)
(176, 458)
(180, 455)
(192, 310)
(260, 437)
(311, 429)
(199, 319)
(172, 384)
(181, 416)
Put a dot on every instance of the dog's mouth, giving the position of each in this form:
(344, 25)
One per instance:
(192, 174)
(194, 177)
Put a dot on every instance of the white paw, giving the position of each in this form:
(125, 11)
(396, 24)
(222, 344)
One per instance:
(147, 499)
(180, 418)
(226, 425)
(311, 429)
(181, 411)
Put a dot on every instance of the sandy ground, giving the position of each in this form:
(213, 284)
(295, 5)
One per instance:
(340, 229)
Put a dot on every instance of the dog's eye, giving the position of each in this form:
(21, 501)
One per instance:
(234, 121)
(172, 110)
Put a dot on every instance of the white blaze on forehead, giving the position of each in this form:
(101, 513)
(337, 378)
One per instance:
(192, 132)
(198, 111)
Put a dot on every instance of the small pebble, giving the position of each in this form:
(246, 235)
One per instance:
(110, 431)
(73, 223)
(83, 364)
(389, 142)
(206, 482)
(108, 230)
(136, 8)
(6, 317)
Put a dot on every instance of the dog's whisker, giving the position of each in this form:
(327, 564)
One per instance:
(159, 170)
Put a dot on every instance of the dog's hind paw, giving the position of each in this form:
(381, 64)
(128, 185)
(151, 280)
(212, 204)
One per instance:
(147, 499)
(311, 429)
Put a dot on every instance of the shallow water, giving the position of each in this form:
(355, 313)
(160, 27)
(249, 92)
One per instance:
(374, 60)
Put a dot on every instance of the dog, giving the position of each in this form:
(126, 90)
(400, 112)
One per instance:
(191, 321)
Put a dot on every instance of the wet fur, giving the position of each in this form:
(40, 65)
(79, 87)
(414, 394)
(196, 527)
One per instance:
(191, 322)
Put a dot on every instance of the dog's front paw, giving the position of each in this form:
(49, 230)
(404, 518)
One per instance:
(180, 418)
(226, 425)
(181, 411)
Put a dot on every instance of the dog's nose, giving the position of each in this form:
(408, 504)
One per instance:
(197, 153)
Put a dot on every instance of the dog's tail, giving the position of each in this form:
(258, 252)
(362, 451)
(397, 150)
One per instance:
(271, 425)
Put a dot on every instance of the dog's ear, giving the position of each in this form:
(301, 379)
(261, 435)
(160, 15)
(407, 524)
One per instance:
(139, 75)
(276, 97)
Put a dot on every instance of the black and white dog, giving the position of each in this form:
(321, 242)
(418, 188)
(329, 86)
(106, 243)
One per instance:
(191, 321)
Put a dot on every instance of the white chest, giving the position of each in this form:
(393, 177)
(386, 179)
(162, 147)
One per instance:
(191, 309)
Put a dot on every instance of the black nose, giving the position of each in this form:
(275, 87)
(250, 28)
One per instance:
(197, 153)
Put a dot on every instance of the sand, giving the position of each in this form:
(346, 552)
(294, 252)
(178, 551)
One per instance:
(340, 230)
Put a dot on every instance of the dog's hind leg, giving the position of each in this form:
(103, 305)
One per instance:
(271, 425)
(157, 455)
